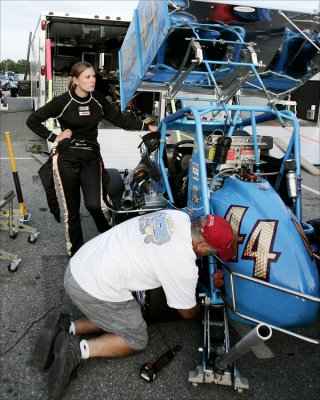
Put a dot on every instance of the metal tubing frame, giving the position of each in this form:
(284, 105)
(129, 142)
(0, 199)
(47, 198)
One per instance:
(9, 200)
(233, 306)
(232, 123)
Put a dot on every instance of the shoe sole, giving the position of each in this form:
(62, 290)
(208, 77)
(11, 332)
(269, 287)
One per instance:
(43, 350)
(56, 385)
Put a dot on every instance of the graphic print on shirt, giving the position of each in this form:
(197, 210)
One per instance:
(158, 228)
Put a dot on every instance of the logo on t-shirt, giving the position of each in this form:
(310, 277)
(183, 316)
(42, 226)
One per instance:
(158, 228)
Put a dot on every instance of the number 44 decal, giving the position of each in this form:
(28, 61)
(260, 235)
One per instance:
(259, 245)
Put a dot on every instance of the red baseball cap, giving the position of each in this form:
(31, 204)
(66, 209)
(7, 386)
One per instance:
(217, 232)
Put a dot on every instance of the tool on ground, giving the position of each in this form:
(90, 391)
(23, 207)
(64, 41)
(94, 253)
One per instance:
(23, 211)
(149, 370)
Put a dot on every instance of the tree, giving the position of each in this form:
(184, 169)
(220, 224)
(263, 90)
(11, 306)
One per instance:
(21, 66)
(9, 65)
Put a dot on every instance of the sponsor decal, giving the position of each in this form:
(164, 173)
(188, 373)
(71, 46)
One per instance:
(84, 110)
(195, 171)
(244, 9)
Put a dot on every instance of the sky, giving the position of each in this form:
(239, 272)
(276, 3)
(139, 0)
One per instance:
(19, 18)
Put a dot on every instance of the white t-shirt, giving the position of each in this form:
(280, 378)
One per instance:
(143, 253)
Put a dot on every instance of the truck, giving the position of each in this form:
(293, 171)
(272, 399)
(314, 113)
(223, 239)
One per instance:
(62, 39)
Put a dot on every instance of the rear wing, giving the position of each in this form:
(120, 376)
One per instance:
(147, 31)
(201, 45)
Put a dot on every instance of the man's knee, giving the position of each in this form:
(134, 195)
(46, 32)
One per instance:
(141, 345)
(138, 343)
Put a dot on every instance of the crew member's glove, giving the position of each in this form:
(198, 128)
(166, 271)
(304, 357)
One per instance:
(218, 280)
(148, 123)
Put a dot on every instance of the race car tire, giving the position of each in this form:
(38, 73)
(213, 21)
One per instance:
(115, 186)
(315, 237)
(156, 308)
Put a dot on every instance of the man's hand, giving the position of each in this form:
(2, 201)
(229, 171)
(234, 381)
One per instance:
(66, 134)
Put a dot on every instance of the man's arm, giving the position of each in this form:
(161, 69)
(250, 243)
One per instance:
(189, 313)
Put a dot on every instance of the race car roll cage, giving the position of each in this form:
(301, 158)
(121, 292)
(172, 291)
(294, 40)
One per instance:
(226, 118)
(179, 121)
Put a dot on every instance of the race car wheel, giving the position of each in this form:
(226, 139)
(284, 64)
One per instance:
(115, 186)
(156, 308)
(315, 237)
(182, 152)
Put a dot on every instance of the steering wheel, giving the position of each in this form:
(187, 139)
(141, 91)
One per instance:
(182, 158)
(151, 141)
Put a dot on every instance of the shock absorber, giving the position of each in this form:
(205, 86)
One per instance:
(290, 168)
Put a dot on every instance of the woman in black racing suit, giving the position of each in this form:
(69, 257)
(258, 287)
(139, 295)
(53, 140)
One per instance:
(77, 163)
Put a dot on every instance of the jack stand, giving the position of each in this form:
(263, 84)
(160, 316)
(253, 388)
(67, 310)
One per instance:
(13, 258)
(218, 359)
(13, 228)
(216, 344)
(226, 378)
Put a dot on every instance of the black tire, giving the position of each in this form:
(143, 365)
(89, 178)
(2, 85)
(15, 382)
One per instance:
(12, 267)
(315, 237)
(157, 309)
(32, 239)
(182, 153)
(115, 186)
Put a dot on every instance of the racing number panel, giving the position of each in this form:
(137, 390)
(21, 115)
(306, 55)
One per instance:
(260, 242)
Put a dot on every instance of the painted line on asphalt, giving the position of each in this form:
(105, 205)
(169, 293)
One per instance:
(17, 158)
(310, 189)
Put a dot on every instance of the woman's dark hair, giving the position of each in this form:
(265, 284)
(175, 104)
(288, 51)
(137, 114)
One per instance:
(77, 70)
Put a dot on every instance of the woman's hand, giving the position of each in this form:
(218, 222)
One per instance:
(152, 128)
(66, 134)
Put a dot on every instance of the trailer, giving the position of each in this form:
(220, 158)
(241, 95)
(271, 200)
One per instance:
(62, 39)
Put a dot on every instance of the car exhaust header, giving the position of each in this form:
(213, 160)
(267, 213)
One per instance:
(259, 334)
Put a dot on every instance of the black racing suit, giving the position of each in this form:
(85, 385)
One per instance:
(77, 163)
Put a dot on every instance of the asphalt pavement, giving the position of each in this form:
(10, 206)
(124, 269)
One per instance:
(36, 289)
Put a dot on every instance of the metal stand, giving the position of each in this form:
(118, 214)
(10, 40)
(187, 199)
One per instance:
(8, 224)
(218, 359)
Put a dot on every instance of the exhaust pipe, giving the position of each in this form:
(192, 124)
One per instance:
(259, 334)
(127, 198)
